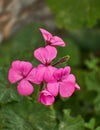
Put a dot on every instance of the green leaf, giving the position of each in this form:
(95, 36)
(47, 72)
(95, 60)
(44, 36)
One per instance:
(71, 123)
(27, 115)
(12, 121)
(71, 14)
(92, 63)
(98, 128)
(8, 92)
(92, 80)
(91, 124)
(97, 104)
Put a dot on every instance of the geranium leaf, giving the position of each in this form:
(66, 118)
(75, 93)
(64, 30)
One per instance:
(71, 123)
(27, 115)
(72, 14)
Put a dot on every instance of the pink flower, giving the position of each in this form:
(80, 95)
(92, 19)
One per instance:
(52, 80)
(19, 72)
(45, 70)
(45, 54)
(46, 98)
(25, 88)
(51, 40)
(34, 76)
(65, 83)
(45, 73)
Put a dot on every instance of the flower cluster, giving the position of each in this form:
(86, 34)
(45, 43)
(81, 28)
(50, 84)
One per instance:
(53, 80)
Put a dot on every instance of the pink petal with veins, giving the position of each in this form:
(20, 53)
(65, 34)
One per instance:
(62, 73)
(50, 39)
(58, 74)
(40, 54)
(45, 54)
(19, 70)
(14, 76)
(22, 67)
(34, 76)
(46, 98)
(53, 88)
(25, 88)
(46, 35)
(66, 89)
(48, 75)
(57, 41)
(45, 73)
(66, 70)
(70, 78)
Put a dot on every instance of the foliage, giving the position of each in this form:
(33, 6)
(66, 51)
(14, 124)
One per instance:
(87, 38)
(70, 123)
(16, 116)
(80, 112)
(71, 14)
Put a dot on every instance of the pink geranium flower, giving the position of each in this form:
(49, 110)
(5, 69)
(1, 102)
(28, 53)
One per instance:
(34, 76)
(50, 39)
(19, 72)
(65, 83)
(46, 98)
(45, 70)
(52, 80)
(45, 54)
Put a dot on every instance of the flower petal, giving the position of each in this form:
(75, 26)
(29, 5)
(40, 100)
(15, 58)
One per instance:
(67, 89)
(62, 73)
(48, 74)
(14, 76)
(40, 54)
(43, 73)
(50, 39)
(53, 88)
(46, 35)
(22, 67)
(77, 86)
(35, 76)
(46, 98)
(70, 78)
(57, 41)
(58, 74)
(45, 54)
(52, 53)
(66, 70)
(19, 70)
(25, 88)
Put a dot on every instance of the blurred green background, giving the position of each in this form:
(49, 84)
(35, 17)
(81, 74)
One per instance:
(78, 24)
